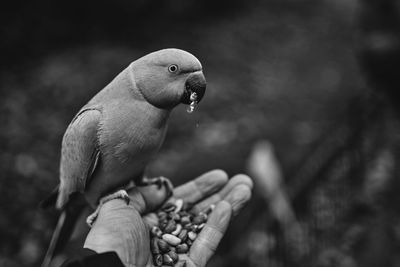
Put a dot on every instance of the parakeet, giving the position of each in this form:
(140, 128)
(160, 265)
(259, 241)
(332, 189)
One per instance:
(113, 137)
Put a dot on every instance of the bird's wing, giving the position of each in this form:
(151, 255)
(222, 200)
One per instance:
(79, 154)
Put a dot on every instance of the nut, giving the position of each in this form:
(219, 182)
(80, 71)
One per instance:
(200, 218)
(174, 216)
(162, 224)
(201, 226)
(171, 239)
(183, 213)
(192, 235)
(169, 207)
(158, 260)
(185, 220)
(154, 246)
(183, 235)
(194, 228)
(167, 260)
(173, 256)
(177, 230)
(163, 246)
(170, 227)
(162, 215)
(188, 226)
(155, 231)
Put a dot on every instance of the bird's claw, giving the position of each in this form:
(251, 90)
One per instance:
(119, 194)
(168, 186)
(92, 218)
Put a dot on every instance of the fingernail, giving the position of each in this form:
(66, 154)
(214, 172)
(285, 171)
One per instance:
(221, 174)
(243, 179)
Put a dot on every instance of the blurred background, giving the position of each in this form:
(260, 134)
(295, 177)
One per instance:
(297, 97)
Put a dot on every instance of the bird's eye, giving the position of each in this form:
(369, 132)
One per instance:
(173, 68)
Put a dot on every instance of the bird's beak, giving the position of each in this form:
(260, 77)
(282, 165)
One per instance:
(195, 83)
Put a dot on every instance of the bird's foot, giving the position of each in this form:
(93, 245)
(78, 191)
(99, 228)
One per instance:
(160, 182)
(119, 194)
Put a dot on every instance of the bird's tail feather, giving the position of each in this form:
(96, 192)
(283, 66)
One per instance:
(49, 201)
(65, 226)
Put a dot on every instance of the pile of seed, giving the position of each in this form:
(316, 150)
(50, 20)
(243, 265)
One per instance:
(176, 232)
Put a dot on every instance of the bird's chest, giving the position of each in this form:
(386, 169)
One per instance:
(133, 134)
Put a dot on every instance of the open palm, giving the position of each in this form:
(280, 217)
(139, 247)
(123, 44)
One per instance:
(125, 228)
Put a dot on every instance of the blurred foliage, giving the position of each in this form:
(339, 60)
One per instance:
(285, 71)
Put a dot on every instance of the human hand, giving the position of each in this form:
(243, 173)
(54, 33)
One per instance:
(125, 228)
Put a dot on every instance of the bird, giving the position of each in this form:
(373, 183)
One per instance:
(112, 138)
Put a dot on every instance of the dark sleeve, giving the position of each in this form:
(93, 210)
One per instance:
(89, 258)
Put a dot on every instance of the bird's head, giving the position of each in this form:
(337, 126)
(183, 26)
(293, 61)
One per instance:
(168, 77)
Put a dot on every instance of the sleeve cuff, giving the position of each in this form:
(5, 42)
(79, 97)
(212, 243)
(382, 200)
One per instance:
(89, 258)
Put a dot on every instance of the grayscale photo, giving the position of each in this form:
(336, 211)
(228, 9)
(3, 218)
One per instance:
(200, 133)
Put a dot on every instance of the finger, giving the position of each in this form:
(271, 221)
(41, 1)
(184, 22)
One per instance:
(180, 263)
(238, 197)
(207, 242)
(119, 227)
(203, 186)
(239, 180)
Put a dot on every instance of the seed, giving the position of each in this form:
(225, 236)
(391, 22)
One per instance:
(210, 209)
(188, 226)
(163, 224)
(154, 246)
(183, 213)
(169, 207)
(163, 246)
(185, 220)
(179, 205)
(171, 239)
(158, 260)
(174, 216)
(177, 230)
(182, 248)
(173, 256)
(194, 228)
(200, 218)
(201, 226)
(192, 235)
(167, 260)
(162, 215)
(155, 231)
(170, 227)
(183, 235)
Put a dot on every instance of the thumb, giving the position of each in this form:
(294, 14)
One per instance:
(120, 228)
